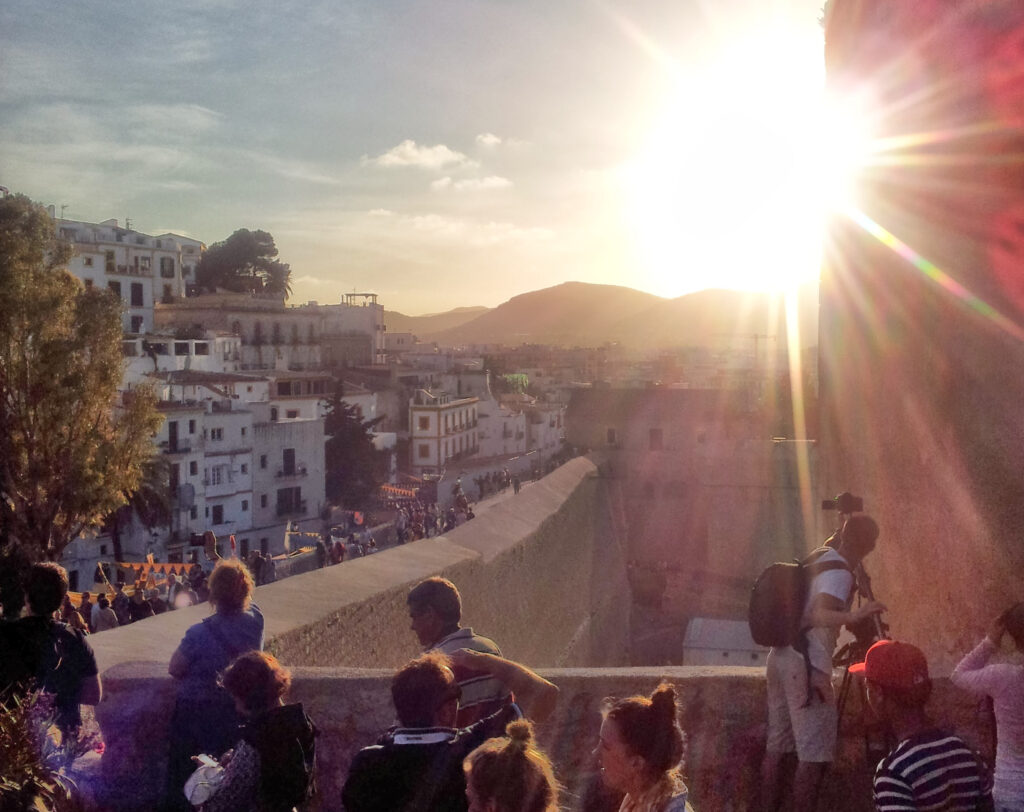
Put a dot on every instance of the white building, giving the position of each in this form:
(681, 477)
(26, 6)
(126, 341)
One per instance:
(141, 269)
(441, 430)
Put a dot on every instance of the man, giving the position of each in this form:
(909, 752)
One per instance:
(802, 713)
(929, 768)
(435, 609)
(120, 605)
(418, 765)
(39, 653)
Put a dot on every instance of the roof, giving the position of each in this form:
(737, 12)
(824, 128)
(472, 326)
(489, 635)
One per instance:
(184, 377)
(275, 374)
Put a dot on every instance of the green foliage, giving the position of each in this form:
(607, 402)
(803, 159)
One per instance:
(245, 263)
(354, 468)
(35, 756)
(69, 448)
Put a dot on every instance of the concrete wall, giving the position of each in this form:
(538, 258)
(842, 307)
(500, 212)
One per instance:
(922, 314)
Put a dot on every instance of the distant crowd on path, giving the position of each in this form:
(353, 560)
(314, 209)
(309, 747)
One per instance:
(464, 738)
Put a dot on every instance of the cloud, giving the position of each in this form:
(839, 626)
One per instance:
(409, 153)
(380, 212)
(312, 280)
(288, 167)
(491, 182)
(488, 140)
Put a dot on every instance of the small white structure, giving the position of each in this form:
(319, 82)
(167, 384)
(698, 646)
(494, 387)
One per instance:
(710, 641)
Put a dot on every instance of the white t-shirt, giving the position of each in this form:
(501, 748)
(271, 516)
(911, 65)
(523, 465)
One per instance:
(838, 583)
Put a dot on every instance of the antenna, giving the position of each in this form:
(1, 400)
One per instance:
(62, 207)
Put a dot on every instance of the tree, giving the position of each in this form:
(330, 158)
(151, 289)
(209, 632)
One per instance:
(354, 468)
(246, 263)
(70, 449)
(150, 502)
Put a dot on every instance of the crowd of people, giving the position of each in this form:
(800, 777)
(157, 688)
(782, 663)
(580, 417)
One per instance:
(464, 738)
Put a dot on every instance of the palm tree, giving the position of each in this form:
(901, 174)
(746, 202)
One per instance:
(277, 278)
(151, 502)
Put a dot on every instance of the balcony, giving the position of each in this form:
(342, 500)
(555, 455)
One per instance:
(292, 509)
(297, 471)
(179, 447)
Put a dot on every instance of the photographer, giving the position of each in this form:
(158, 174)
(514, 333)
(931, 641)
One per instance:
(802, 711)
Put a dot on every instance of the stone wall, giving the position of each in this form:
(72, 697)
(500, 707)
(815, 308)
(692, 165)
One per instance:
(722, 711)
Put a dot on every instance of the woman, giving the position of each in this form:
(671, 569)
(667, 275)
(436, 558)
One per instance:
(510, 774)
(270, 768)
(640, 749)
(1004, 682)
(72, 616)
(205, 718)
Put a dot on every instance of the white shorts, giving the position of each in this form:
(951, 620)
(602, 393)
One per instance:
(794, 724)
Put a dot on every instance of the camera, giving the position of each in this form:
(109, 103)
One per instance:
(846, 502)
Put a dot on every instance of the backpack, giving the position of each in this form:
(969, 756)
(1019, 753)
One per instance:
(777, 600)
(287, 758)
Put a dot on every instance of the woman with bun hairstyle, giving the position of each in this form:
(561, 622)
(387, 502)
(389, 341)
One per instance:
(640, 751)
(1004, 682)
(510, 774)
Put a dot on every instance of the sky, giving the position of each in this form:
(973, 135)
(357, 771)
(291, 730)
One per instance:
(442, 154)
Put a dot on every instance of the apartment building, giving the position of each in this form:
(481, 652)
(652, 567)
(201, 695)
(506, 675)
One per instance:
(441, 430)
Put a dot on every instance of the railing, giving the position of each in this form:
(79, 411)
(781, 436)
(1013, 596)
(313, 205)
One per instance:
(180, 447)
(298, 470)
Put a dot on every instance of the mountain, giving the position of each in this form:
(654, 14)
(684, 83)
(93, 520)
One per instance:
(432, 322)
(581, 314)
(573, 313)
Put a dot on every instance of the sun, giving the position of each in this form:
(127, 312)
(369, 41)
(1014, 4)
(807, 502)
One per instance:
(732, 186)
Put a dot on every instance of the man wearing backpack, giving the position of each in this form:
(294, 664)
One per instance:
(802, 712)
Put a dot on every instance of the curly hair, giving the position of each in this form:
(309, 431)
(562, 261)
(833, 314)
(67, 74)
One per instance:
(231, 586)
(650, 729)
(257, 680)
(512, 773)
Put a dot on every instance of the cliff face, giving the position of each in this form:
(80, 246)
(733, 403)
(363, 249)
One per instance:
(922, 311)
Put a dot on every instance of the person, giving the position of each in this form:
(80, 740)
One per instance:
(85, 610)
(105, 616)
(802, 711)
(72, 616)
(94, 612)
(929, 769)
(418, 765)
(120, 604)
(516, 484)
(1004, 682)
(435, 611)
(39, 653)
(205, 717)
(269, 767)
(139, 608)
(510, 774)
(640, 748)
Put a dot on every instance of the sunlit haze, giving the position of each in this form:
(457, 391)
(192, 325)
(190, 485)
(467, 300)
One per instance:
(445, 154)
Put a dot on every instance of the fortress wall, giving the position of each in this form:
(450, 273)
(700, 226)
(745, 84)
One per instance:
(723, 713)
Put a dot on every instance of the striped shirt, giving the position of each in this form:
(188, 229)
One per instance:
(932, 771)
(482, 694)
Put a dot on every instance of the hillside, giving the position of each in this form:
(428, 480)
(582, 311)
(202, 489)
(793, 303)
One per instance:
(573, 313)
(431, 323)
(580, 314)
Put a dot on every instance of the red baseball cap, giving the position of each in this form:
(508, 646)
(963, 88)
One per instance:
(894, 665)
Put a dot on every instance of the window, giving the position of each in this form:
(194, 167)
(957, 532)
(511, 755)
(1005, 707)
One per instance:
(243, 545)
(264, 546)
(292, 413)
(88, 284)
(288, 461)
(245, 468)
(191, 426)
(243, 431)
(137, 324)
(218, 514)
(175, 477)
(181, 348)
(109, 263)
(263, 500)
(245, 504)
(168, 295)
(216, 475)
(202, 348)
(423, 451)
(87, 262)
(216, 434)
(137, 300)
(424, 423)
(273, 414)
(103, 549)
(193, 468)
(263, 460)
(284, 388)
(115, 287)
(144, 263)
(167, 267)
(655, 440)
(193, 512)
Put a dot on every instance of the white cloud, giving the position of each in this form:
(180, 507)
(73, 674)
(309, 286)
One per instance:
(488, 140)
(380, 212)
(409, 153)
(481, 184)
(441, 183)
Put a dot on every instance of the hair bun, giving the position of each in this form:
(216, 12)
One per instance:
(520, 733)
(663, 700)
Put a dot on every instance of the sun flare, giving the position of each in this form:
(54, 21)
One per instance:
(732, 187)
